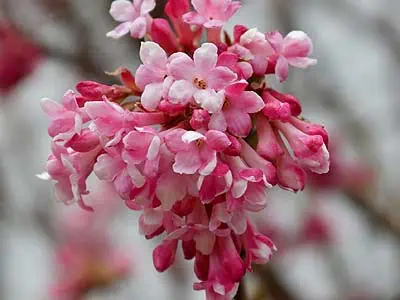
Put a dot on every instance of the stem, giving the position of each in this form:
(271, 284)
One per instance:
(241, 293)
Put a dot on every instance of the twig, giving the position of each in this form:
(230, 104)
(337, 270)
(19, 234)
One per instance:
(241, 293)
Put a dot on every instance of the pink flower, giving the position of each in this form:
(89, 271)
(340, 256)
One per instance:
(226, 269)
(254, 47)
(199, 78)
(235, 114)
(151, 74)
(111, 121)
(259, 248)
(134, 16)
(70, 170)
(249, 188)
(292, 50)
(67, 118)
(195, 152)
(210, 13)
(309, 149)
(117, 166)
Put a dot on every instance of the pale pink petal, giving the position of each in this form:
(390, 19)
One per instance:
(220, 77)
(217, 140)
(210, 100)
(147, 6)
(122, 10)
(170, 189)
(119, 31)
(282, 69)
(153, 216)
(52, 108)
(181, 92)
(137, 178)
(138, 28)
(186, 163)
(191, 136)
(297, 44)
(239, 187)
(200, 6)
(107, 167)
(123, 184)
(154, 148)
(217, 122)
(146, 75)
(181, 66)
(210, 162)
(205, 58)
(107, 116)
(152, 95)
(194, 18)
(302, 62)
(153, 55)
(213, 23)
(275, 38)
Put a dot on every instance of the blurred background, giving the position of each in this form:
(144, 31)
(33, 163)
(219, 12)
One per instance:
(339, 239)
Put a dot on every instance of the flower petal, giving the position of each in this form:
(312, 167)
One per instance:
(138, 28)
(170, 189)
(181, 92)
(210, 100)
(181, 66)
(122, 10)
(187, 163)
(119, 31)
(205, 58)
(152, 95)
(153, 55)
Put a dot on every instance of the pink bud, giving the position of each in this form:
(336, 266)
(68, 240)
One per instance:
(268, 146)
(189, 249)
(164, 255)
(200, 119)
(235, 148)
(254, 160)
(238, 31)
(275, 109)
(293, 102)
(303, 145)
(311, 129)
(291, 175)
(201, 266)
(162, 34)
(176, 8)
(84, 142)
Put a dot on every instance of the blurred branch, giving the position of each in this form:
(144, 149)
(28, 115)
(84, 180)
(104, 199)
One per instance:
(241, 293)
(273, 284)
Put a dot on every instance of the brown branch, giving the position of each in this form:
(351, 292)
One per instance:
(241, 293)
(273, 284)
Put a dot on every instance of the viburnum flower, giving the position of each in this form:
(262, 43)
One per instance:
(134, 16)
(194, 141)
(211, 13)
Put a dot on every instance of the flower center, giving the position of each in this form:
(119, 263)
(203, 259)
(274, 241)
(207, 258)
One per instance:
(200, 83)
(199, 143)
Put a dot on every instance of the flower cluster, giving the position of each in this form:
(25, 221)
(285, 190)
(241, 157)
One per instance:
(195, 139)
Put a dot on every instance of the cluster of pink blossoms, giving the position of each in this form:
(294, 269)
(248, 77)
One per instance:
(195, 139)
